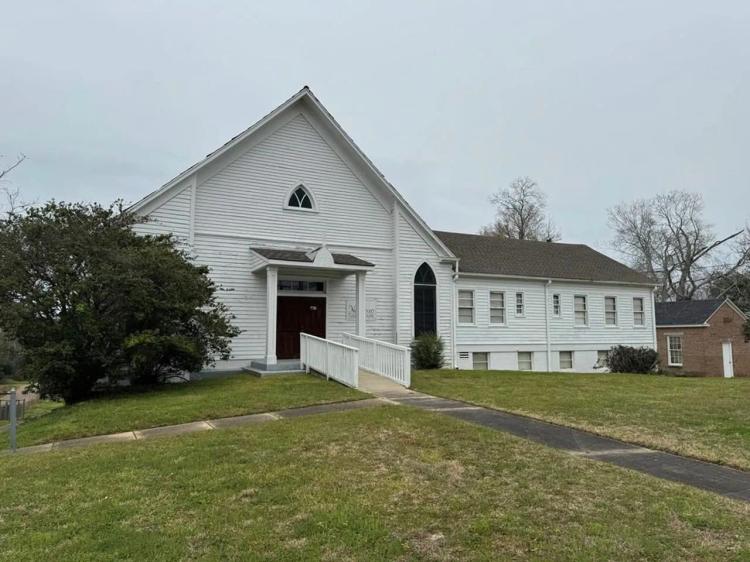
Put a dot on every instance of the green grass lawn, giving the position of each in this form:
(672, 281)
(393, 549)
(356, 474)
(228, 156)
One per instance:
(383, 483)
(177, 403)
(708, 418)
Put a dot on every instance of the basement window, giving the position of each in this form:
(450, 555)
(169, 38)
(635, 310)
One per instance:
(480, 361)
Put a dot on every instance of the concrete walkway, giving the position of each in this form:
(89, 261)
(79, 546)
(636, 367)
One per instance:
(722, 480)
(203, 425)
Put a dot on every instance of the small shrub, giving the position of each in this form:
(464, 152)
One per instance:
(625, 359)
(427, 352)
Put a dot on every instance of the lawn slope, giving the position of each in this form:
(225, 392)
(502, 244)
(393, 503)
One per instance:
(708, 418)
(178, 403)
(377, 484)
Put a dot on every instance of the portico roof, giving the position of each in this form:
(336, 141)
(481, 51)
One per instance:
(319, 258)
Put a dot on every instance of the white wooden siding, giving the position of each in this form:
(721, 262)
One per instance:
(527, 333)
(173, 216)
(413, 251)
(248, 196)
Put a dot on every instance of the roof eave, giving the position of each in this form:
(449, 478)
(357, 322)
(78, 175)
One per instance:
(552, 278)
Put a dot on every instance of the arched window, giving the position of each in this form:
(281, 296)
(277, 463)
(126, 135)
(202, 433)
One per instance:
(425, 301)
(300, 198)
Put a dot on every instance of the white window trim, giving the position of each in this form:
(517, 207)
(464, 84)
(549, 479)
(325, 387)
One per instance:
(515, 304)
(557, 314)
(669, 350)
(309, 192)
(643, 312)
(518, 361)
(586, 303)
(572, 359)
(617, 312)
(487, 353)
(504, 309)
(473, 307)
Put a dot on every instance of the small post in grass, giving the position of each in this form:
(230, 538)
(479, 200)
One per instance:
(12, 418)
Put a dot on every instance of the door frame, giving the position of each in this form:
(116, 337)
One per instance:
(728, 372)
(304, 294)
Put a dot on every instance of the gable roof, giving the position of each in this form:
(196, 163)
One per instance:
(304, 96)
(278, 254)
(491, 255)
(689, 313)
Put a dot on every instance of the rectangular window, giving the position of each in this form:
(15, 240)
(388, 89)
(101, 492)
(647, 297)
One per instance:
(674, 351)
(566, 360)
(639, 318)
(301, 286)
(524, 361)
(466, 307)
(610, 311)
(497, 307)
(519, 304)
(480, 361)
(581, 311)
(601, 359)
(556, 305)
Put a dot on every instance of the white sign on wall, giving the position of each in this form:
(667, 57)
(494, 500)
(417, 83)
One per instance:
(371, 310)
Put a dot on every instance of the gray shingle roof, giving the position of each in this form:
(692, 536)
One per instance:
(301, 256)
(526, 258)
(685, 313)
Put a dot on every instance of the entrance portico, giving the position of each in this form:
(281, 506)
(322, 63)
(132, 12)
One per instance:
(289, 274)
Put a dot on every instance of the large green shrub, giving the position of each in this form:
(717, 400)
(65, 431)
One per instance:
(625, 359)
(87, 298)
(427, 352)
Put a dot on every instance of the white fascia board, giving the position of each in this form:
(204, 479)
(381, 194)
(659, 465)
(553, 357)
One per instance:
(558, 279)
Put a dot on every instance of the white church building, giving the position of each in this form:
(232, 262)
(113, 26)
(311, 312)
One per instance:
(302, 233)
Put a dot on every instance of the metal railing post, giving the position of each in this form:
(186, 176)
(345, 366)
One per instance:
(12, 418)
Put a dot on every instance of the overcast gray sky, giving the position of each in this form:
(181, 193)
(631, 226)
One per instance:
(598, 101)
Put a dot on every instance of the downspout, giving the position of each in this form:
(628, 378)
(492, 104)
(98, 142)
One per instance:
(546, 324)
(453, 316)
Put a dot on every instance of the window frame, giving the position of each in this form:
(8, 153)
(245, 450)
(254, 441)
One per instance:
(607, 324)
(599, 363)
(486, 361)
(523, 304)
(473, 307)
(504, 308)
(642, 312)
(681, 350)
(310, 196)
(556, 305)
(531, 360)
(572, 360)
(585, 311)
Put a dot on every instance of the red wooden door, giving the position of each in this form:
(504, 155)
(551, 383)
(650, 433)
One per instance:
(295, 315)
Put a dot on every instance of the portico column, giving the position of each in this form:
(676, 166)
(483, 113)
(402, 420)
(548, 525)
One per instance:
(272, 277)
(361, 306)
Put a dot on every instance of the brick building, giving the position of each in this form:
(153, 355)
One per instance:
(702, 338)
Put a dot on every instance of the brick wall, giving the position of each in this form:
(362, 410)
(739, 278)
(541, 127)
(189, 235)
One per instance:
(701, 347)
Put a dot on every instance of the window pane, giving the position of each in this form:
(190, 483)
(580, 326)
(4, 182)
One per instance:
(639, 317)
(566, 359)
(556, 305)
(466, 315)
(425, 310)
(519, 303)
(480, 361)
(497, 307)
(674, 344)
(610, 311)
(524, 361)
(424, 275)
(581, 313)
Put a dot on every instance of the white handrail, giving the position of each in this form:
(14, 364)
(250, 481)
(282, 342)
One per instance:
(383, 358)
(335, 360)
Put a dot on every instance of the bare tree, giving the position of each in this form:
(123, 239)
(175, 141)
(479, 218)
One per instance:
(521, 213)
(10, 194)
(667, 238)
